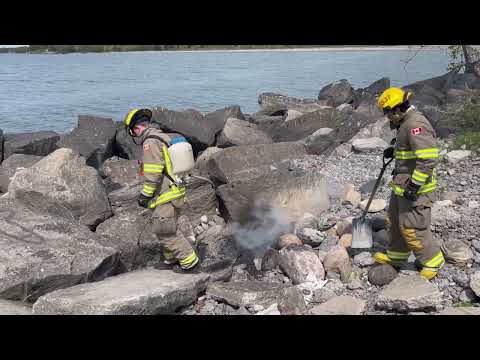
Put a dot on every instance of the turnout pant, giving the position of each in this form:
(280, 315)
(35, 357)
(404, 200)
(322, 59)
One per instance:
(409, 230)
(172, 233)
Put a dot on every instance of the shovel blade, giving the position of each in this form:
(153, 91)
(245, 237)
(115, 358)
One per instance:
(362, 237)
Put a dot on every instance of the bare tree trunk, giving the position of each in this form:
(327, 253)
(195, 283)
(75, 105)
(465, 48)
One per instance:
(472, 60)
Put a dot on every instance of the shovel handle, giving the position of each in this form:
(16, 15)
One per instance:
(374, 190)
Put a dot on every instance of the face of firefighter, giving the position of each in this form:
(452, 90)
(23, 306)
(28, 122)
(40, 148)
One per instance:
(138, 129)
(395, 117)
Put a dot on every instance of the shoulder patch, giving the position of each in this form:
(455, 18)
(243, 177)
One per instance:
(146, 147)
(416, 131)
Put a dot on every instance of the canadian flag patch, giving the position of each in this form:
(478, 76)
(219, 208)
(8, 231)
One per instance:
(416, 131)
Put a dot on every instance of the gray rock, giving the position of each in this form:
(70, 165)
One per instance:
(288, 240)
(200, 130)
(39, 143)
(350, 196)
(409, 293)
(456, 156)
(41, 253)
(322, 295)
(473, 204)
(240, 132)
(376, 205)
(218, 251)
(10, 165)
(123, 146)
(93, 139)
(249, 293)
(442, 215)
(378, 86)
(202, 160)
(345, 108)
(363, 259)
(476, 245)
(382, 274)
(461, 279)
(126, 196)
(344, 149)
(320, 141)
(293, 114)
(130, 232)
(291, 193)
(328, 243)
(279, 102)
(460, 311)
(311, 236)
(370, 144)
(61, 184)
(456, 252)
(475, 283)
(14, 308)
(200, 199)
(305, 125)
(338, 261)
(337, 93)
(247, 162)
(340, 305)
(272, 310)
(269, 124)
(121, 172)
(143, 292)
(300, 264)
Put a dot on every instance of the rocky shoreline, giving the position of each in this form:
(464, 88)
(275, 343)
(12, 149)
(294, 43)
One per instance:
(271, 200)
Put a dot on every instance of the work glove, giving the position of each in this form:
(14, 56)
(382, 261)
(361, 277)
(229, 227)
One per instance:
(411, 191)
(388, 152)
(143, 200)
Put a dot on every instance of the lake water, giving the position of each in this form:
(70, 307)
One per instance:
(47, 92)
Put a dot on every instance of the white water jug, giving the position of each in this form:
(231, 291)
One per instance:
(181, 155)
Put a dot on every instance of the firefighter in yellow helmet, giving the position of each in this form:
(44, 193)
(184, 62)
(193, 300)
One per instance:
(414, 180)
(162, 191)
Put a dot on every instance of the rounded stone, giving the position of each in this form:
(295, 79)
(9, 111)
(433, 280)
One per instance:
(382, 274)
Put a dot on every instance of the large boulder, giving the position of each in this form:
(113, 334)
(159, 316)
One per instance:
(39, 143)
(370, 144)
(93, 139)
(124, 146)
(142, 292)
(10, 166)
(305, 125)
(409, 293)
(63, 185)
(199, 129)
(124, 197)
(301, 264)
(130, 233)
(457, 156)
(270, 100)
(320, 141)
(217, 249)
(269, 124)
(252, 293)
(379, 86)
(475, 283)
(240, 132)
(247, 162)
(14, 308)
(378, 129)
(202, 159)
(120, 172)
(200, 199)
(456, 252)
(296, 192)
(41, 253)
(337, 93)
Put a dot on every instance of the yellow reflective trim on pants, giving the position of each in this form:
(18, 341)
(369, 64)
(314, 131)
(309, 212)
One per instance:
(174, 193)
(189, 259)
(435, 262)
(431, 153)
(398, 255)
(420, 174)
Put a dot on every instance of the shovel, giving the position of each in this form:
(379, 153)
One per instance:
(361, 227)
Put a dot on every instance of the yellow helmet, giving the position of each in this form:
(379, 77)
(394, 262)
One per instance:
(135, 116)
(393, 97)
